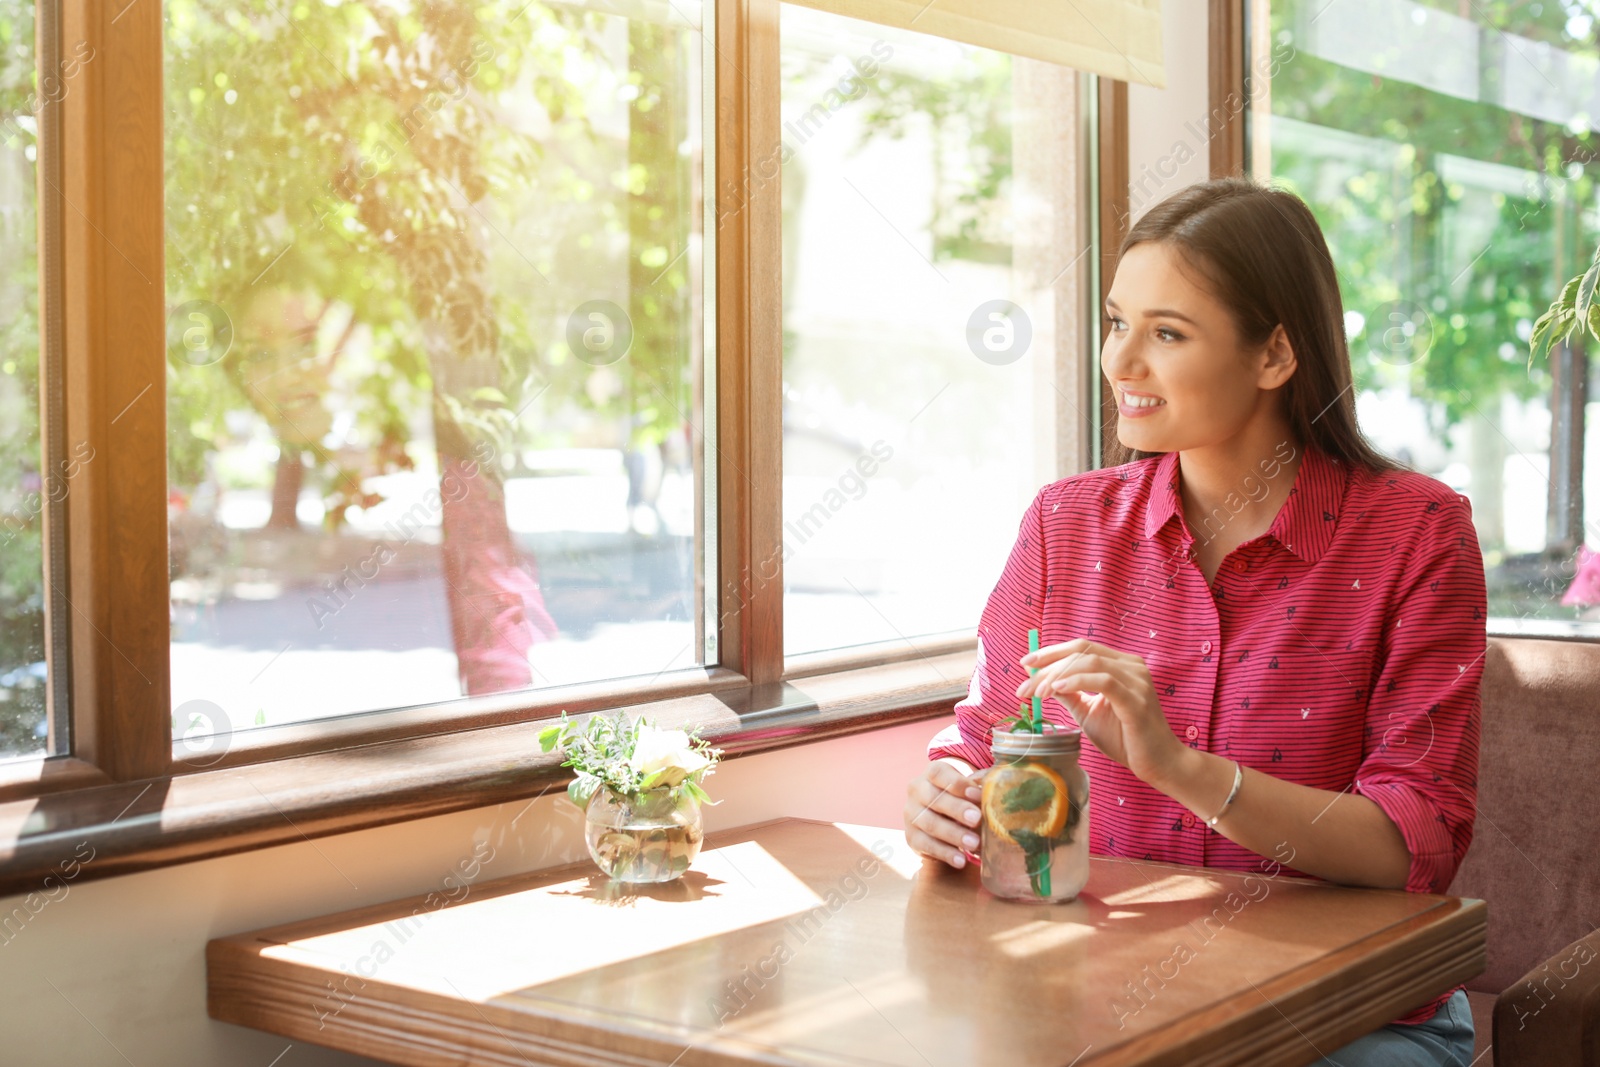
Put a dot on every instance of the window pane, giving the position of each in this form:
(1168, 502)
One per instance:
(434, 351)
(28, 481)
(919, 322)
(1448, 151)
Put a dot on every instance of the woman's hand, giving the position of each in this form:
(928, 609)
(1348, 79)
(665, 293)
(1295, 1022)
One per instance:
(942, 813)
(1113, 698)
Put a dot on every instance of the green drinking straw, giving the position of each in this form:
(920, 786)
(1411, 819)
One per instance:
(1038, 704)
(1037, 858)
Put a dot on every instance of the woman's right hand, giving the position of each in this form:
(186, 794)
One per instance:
(942, 813)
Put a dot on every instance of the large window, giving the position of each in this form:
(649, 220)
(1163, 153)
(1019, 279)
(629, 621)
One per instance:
(31, 481)
(399, 368)
(434, 275)
(928, 280)
(1449, 151)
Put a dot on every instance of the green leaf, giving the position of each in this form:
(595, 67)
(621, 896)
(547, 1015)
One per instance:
(1022, 722)
(1569, 292)
(699, 793)
(1030, 795)
(1540, 339)
(1036, 859)
(1032, 844)
(1566, 322)
(655, 778)
(1584, 299)
(581, 788)
(548, 738)
(1552, 328)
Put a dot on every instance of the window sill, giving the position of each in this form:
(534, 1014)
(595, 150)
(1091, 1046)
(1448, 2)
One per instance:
(104, 830)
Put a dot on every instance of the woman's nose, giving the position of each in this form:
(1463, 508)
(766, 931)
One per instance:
(1120, 356)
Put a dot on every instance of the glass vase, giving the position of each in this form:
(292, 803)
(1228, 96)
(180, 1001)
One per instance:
(652, 836)
(1035, 816)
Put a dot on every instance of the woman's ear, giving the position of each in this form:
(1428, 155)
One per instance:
(1278, 359)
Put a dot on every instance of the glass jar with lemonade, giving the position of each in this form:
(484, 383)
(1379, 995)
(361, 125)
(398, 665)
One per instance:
(1035, 815)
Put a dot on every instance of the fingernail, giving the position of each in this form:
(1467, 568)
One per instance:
(971, 840)
(974, 793)
(959, 862)
(971, 815)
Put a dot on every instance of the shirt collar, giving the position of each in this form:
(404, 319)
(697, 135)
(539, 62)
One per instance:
(1163, 502)
(1304, 525)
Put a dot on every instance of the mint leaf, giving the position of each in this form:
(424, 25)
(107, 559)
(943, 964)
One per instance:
(1031, 795)
(1032, 843)
(1036, 860)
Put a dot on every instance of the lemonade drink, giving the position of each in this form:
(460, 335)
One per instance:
(1035, 825)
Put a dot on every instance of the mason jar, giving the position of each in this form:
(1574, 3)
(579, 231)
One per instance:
(1035, 816)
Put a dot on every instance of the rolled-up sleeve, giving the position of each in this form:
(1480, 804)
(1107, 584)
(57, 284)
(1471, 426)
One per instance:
(1015, 606)
(1420, 756)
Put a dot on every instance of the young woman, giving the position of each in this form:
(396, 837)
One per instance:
(1256, 616)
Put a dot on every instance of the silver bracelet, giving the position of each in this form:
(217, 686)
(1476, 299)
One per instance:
(1238, 780)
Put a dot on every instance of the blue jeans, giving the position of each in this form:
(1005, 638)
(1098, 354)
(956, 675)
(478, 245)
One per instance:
(1443, 1041)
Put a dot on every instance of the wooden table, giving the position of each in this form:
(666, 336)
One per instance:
(793, 942)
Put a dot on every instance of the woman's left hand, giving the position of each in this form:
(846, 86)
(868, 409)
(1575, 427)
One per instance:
(1113, 698)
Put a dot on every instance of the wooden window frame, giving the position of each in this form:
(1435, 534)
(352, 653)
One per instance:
(1226, 86)
(1112, 223)
(142, 800)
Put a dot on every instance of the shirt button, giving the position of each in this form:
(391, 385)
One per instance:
(1240, 565)
(1191, 732)
(1188, 821)
(1205, 648)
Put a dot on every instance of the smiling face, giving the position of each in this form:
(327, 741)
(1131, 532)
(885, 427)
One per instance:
(1183, 377)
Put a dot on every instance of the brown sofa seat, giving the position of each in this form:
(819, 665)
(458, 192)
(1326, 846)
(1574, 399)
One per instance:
(1534, 855)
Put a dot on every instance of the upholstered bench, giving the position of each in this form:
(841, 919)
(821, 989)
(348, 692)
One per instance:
(1534, 856)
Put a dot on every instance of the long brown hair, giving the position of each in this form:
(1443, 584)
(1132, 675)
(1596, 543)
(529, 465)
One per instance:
(1263, 256)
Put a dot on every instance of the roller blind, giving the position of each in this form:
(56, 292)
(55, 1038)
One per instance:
(1115, 38)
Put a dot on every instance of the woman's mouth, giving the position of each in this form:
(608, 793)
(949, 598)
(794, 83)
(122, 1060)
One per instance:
(1138, 405)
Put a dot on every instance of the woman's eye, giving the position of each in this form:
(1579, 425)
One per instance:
(1167, 334)
(1117, 325)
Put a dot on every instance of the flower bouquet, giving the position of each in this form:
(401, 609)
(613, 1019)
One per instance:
(639, 788)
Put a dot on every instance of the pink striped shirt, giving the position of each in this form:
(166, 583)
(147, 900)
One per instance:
(1342, 649)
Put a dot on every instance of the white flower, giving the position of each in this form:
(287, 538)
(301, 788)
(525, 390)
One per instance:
(665, 753)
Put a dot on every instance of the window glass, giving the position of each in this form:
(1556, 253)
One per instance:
(1449, 152)
(434, 338)
(28, 483)
(922, 278)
